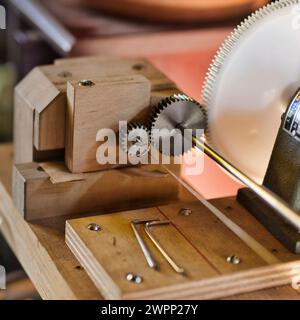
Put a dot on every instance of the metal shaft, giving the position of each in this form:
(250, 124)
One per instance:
(281, 207)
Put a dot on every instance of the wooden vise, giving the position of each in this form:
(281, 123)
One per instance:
(58, 110)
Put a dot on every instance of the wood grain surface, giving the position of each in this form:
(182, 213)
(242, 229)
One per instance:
(101, 107)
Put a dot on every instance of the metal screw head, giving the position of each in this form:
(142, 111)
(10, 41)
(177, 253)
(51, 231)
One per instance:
(185, 212)
(233, 259)
(86, 83)
(94, 227)
(134, 278)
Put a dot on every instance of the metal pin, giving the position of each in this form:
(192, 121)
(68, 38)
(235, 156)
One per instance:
(158, 245)
(151, 263)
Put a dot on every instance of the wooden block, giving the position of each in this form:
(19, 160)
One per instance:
(101, 106)
(36, 197)
(199, 243)
(49, 125)
(36, 97)
(40, 99)
(32, 96)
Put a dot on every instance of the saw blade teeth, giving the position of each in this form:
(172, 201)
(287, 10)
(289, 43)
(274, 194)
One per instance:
(228, 45)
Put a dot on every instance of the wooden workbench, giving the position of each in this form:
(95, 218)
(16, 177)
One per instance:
(41, 249)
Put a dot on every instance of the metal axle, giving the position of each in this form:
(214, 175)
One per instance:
(280, 206)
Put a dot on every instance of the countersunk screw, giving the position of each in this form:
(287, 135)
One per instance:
(134, 278)
(86, 83)
(185, 212)
(233, 259)
(94, 227)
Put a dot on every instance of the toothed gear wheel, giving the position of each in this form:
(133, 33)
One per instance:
(171, 112)
(136, 141)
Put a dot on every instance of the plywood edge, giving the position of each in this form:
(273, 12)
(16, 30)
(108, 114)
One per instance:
(107, 286)
(226, 285)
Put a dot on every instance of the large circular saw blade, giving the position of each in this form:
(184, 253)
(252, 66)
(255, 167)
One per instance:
(249, 84)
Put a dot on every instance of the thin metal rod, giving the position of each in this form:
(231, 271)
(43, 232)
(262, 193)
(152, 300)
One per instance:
(172, 263)
(47, 24)
(281, 207)
(148, 256)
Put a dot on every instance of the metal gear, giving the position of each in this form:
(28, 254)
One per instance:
(169, 117)
(136, 140)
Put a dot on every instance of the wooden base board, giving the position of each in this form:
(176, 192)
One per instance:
(200, 243)
(41, 248)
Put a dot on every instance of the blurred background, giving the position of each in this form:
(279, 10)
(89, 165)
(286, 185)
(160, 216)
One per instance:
(180, 37)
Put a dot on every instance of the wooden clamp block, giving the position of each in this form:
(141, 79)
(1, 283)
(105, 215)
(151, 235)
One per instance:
(37, 197)
(101, 106)
(39, 117)
(40, 100)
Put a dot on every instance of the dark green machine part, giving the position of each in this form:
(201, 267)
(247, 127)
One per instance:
(282, 177)
(283, 174)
